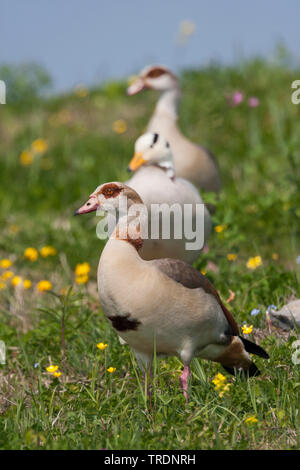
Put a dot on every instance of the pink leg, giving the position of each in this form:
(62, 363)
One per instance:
(184, 380)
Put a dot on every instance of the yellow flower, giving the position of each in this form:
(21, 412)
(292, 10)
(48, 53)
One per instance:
(48, 251)
(203, 271)
(254, 262)
(251, 420)
(119, 126)
(26, 158)
(44, 286)
(231, 256)
(16, 281)
(39, 146)
(219, 381)
(82, 269)
(56, 374)
(220, 384)
(7, 275)
(247, 329)
(219, 377)
(31, 254)
(5, 263)
(220, 228)
(82, 279)
(81, 90)
(101, 346)
(275, 256)
(111, 369)
(51, 368)
(2, 285)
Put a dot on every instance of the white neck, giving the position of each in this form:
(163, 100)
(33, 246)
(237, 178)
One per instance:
(168, 103)
(123, 249)
(118, 259)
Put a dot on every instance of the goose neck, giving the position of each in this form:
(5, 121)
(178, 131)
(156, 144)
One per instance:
(168, 103)
(129, 230)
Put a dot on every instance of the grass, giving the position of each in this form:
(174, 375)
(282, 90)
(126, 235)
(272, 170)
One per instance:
(87, 407)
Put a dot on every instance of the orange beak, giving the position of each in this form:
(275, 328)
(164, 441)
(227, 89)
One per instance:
(136, 161)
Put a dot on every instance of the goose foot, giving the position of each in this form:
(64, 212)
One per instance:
(184, 380)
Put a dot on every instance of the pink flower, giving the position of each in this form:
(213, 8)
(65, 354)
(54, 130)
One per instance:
(253, 102)
(236, 98)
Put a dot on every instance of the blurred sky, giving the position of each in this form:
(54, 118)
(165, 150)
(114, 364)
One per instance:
(92, 40)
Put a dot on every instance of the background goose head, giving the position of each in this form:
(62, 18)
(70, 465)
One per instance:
(152, 149)
(107, 197)
(153, 77)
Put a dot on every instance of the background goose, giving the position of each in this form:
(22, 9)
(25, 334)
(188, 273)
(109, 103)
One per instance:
(192, 162)
(155, 182)
(166, 301)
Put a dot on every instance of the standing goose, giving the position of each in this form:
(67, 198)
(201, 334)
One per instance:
(164, 302)
(155, 182)
(192, 162)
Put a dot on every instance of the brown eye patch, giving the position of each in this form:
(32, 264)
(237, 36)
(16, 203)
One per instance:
(155, 73)
(110, 190)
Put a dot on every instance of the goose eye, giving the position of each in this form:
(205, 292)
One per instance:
(156, 73)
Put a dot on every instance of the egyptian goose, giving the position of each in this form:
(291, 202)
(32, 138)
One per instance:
(165, 302)
(192, 162)
(155, 182)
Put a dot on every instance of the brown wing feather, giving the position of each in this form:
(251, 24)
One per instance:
(189, 277)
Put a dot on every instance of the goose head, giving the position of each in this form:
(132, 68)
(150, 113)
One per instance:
(152, 149)
(153, 77)
(108, 197)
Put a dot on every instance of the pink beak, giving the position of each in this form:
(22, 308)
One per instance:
(137, 86)
(90, 206)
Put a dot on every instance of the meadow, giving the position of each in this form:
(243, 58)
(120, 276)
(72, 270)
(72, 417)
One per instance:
(53, 153)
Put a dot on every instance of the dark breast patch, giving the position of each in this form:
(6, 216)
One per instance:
(124, 322)
(136, 242)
